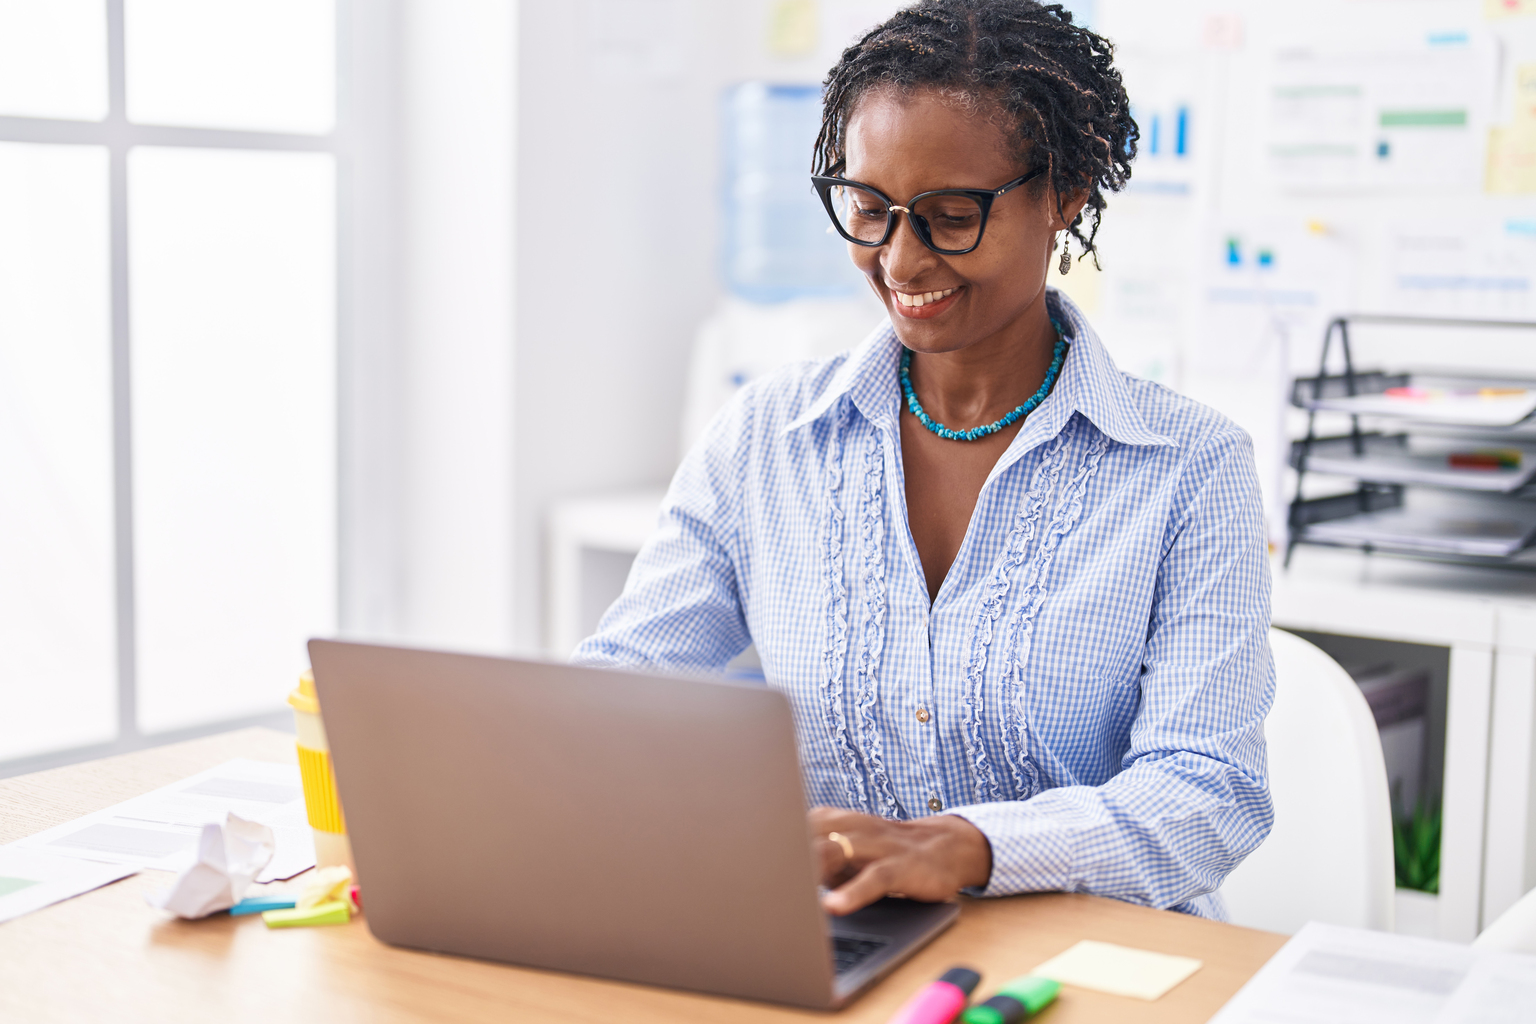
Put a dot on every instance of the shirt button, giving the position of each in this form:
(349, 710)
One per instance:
(922, 714)
(935, 804)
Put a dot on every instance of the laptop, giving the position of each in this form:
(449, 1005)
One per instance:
(642, 828)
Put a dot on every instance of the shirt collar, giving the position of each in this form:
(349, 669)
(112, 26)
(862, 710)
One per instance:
(867, 376)
(1090, 383)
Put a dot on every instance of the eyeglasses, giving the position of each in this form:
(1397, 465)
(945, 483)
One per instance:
(949, 221)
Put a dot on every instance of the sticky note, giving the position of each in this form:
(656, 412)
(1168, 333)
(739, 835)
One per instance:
(1119, 970)
(792, 28)
(1511, 168)
(325, 886)
(335, 912)
(1507, 8)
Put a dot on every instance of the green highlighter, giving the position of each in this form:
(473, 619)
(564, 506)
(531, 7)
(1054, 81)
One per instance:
(1020, 998)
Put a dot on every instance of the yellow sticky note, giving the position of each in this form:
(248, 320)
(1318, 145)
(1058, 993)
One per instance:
(1512, 159)
(1119, 970)
(1508, 8)
(324, 886)
(335, 912)
(1525, 93)
(792, 28)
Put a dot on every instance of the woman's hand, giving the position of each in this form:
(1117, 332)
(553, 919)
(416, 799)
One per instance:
(927, 859)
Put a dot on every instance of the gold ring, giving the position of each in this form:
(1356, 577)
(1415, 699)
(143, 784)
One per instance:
(844, 842)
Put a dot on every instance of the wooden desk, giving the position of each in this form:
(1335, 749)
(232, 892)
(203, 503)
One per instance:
(108, 956)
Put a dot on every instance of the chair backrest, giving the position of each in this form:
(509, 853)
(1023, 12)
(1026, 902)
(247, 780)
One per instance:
(1514, 931)
(1329, 857)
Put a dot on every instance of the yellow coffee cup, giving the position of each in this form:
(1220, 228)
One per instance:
(320, 799)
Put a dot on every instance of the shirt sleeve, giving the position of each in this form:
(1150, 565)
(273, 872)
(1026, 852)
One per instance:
(1192, 797)
(681, 609)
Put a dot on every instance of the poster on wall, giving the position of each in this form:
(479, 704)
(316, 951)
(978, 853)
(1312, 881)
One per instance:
(1485, 269)
(1399, 120)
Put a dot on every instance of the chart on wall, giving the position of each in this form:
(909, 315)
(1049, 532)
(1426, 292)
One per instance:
(1403, 119)
(1483, 266)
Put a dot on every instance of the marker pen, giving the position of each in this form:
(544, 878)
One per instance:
(1020, 998)
(941, 1001)
(261, 904)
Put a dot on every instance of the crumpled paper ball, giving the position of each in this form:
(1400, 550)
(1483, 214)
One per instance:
(229, 857)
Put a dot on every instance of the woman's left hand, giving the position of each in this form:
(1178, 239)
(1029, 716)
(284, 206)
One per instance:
(928, 859)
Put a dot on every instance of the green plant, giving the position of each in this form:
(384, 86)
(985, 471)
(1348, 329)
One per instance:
(1416, 850)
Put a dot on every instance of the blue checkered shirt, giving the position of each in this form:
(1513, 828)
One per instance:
(1090, 685)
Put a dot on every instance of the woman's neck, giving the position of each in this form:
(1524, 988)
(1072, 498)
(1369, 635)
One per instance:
(987, 379)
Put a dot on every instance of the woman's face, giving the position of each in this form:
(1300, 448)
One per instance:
(904, 144)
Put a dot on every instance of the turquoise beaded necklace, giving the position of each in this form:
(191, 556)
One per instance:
(976, 433)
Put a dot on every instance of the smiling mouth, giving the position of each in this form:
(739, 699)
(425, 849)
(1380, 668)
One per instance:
(924, 305)
(921, 298)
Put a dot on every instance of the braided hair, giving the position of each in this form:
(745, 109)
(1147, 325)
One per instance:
(1059, 97)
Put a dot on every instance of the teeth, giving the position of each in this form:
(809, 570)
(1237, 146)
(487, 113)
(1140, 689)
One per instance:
(922, 298)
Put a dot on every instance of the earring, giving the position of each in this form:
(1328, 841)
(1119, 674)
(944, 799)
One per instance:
(1066, 257)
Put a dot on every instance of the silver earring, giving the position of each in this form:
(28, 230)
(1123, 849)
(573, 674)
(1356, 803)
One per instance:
(1066, 258)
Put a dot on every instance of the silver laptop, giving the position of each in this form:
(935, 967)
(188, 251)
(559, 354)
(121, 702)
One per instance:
(636, 827)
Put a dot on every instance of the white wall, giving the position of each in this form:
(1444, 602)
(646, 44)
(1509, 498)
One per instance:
(458, 94)
(618, 113)
(615, 250)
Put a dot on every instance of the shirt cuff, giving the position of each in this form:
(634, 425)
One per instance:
(1030, 852)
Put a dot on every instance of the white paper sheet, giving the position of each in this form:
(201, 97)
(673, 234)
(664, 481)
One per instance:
(160, 830)
(1332, 975)
(32, 879)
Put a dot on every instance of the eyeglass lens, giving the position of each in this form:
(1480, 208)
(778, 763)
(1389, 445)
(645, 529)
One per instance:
(951, 221)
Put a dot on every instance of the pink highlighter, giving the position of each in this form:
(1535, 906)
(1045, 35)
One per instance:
(941, 1001)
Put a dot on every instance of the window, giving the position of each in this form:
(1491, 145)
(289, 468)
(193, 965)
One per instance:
(169, 300)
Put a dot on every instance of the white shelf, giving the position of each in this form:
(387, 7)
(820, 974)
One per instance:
(580, 530)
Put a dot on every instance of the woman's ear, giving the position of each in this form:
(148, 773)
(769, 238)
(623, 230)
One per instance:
(1072, 204)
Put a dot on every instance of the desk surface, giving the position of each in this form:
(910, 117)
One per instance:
(108, 956)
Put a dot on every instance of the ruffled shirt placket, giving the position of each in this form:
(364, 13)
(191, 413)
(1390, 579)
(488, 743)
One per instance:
(1015, 591)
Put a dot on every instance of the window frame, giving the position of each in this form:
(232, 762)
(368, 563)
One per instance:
(359, 142)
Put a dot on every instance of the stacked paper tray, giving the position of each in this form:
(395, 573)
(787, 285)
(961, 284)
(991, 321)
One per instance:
(1491, 533)
(1422, 398)
(1421, 460)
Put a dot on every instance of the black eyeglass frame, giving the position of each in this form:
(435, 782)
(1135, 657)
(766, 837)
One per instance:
(826, 183)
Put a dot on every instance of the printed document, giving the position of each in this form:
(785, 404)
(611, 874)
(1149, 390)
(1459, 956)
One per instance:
(160, 830)
(32, 879)
(1328, 974)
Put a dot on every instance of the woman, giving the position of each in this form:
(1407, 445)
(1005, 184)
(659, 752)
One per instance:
(1018, 600)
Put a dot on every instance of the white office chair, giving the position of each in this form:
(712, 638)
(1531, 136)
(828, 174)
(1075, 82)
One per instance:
(1329, 857)
(1514, 931)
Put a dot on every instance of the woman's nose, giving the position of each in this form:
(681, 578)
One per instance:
(904, 256)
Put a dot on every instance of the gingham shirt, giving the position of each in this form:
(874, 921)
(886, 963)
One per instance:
(1090, 685)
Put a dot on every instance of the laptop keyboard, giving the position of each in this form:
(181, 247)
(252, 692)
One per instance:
(848, 951)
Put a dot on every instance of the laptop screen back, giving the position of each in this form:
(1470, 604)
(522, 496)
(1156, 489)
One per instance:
(626, 826)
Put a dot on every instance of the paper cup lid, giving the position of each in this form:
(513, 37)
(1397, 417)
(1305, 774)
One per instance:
(304, 699)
